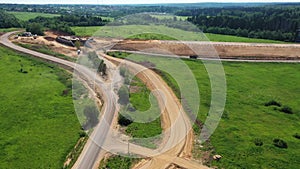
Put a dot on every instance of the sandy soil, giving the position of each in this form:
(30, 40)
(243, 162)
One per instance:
(223, 49)
(49, 41)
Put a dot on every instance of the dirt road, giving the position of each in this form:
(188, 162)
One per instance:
(224, 49)
(176, 124)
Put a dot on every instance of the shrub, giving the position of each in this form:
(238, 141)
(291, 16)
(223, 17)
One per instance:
(82, 134)
(258, 142)
(91, 114)
(124, 121)
(297, 135)
(273, 103)
(280, 143)
(286, 110)
(123, 95)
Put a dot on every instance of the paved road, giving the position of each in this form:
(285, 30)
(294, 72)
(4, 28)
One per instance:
(92, 149)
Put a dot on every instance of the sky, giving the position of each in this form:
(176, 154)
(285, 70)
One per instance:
(129, 1)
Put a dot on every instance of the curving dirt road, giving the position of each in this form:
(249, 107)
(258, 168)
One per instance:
(91, 150)
(175, 120)
(176, 124)
(176, 150)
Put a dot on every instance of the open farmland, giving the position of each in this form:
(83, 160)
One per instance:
(25, 16)
(130, 30)
(38, 125)
(246, 120)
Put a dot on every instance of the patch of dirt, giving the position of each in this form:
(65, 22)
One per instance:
(134, 89)
(49, 41)
(224, 50)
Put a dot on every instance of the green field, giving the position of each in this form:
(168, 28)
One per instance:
(132, 30)
(4, 30)
(246, 118)
(38, 125)
(25, 16)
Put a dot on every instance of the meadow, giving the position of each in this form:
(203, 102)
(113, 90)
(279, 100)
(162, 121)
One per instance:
(246, 119)
(132, 31)
(25, 16)
(38, 125)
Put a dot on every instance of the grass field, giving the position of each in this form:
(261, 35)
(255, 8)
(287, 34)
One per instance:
(38, 125)
(246, 118)
(25, 16)
(132, 30)
(4, 30)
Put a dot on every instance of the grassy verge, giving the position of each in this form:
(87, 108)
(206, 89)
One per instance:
(144, 114)
(46, 50)
(25, 16)
(118, 162)
(262, 106)
(5, 30)
(152, 31)
(38, 125)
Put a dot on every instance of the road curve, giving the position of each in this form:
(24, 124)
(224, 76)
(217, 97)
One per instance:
(91, 150)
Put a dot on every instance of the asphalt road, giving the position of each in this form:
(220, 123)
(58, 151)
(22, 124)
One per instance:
(92, 149)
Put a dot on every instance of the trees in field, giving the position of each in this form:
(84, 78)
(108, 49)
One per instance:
(8, 20)
(35, 28)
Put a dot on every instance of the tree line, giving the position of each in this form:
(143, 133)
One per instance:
(62, 23)
(269, 22)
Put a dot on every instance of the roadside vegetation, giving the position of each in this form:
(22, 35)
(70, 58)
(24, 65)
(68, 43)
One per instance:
(37, 121)
(257, 128)
(140, 118)
(118, 162)
(46, 50)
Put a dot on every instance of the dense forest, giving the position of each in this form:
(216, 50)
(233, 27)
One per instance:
(271, 22)
(277, 21)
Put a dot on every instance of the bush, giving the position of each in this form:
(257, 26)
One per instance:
(286, 110)
(123, 95)
(297, 135)
(258, 142)
(280, 143)
(273, 103)
(91, 114)
(82, 134)
(124, 121)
